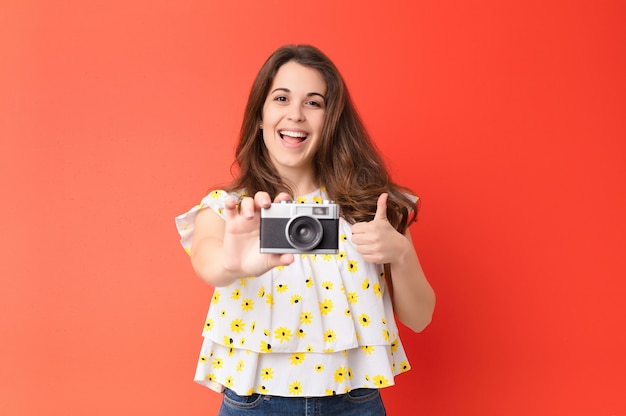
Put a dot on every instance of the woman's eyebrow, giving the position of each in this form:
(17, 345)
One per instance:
(318, 94)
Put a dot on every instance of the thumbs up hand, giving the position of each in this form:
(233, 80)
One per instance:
(377, 240)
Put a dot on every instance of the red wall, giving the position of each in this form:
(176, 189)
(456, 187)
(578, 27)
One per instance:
(506, 117)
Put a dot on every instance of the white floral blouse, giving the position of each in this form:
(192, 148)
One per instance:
(322, 325)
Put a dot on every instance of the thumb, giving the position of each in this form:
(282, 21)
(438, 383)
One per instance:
(381, 207)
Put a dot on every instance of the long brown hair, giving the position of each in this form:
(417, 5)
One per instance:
(346, 163)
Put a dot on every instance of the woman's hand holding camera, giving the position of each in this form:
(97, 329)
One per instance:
(241, 253)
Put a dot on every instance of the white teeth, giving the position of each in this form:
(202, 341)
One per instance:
(296, 134)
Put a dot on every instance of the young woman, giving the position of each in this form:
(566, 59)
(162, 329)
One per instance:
(296, 333)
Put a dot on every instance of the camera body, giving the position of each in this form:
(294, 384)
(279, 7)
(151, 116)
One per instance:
(289, 227)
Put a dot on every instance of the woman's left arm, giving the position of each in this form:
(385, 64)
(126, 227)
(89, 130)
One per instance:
(413, 297)
(379, 242)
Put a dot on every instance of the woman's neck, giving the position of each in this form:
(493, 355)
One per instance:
(302, 182)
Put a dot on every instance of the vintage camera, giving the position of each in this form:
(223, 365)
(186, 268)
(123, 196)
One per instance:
(289, 227)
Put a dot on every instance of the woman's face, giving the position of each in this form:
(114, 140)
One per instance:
(293, 116)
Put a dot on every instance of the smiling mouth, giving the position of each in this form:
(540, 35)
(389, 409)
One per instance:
(293, 136)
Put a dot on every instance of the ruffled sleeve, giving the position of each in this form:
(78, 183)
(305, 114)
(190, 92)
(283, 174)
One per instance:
(185, 223)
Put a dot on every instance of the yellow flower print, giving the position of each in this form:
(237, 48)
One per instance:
(243, 282)
(295, 388)
(380, 381)
(216, 194)
(296, 299)
(384, 321)
(328, 351)
(368, 349)
(309, 348)
(347, 312)
(242, 342)
(327, 257)
(250, 391)
(327, 285)
(252, 326)
(364, 320)
(283, 334)
(247, 305)
(235, 295)
(377, 289)
(366, 284)
(228, 382)
(279, 268)
(326, 306)
(330, 392)
(319, 368)
(394, 345)
(300, 333)
(262, 291)
(317, 200)
(386, 335)
(352, 266)
(262, 389)
(353, 297)
(216, 296)
(223, 313)
(228, 340)
(202, 359)
(301, 200)
(266, 332)
(343, 237)
(217, 363)
(267, 373)
(306, 317)
(323, 188)
(341, 255)
(296, 359)
(265, 347)
(404, 366)
(208, 325)
(237, 325)
(330, 336)
(269, 299)
(367, 377)
(308, 282)
(340, 375)
(210, 377)
(282, 287)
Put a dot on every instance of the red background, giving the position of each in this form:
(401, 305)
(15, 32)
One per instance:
(507, 118)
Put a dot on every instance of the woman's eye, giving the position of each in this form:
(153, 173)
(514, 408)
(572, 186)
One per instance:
(314, 103)
(281, 98)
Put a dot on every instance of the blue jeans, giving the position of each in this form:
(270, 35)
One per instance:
(359, 402)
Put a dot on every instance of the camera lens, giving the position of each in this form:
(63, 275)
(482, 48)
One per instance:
(304, 232)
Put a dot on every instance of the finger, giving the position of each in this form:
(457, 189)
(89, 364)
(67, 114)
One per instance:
(275, 260)
(231, 208)
(381, 207)
(246, 207)
(262, 199)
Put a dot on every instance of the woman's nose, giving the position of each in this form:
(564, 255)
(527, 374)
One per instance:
(295, 113)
